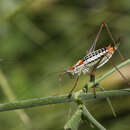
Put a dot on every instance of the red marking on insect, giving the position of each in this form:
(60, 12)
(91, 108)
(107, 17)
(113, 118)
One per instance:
(72, 67)
(103, 22)
(80, 62)
(110, 49)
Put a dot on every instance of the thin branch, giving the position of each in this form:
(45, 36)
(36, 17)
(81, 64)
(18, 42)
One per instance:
(88, 115)
(81, 114)
(112, 70)
(64, 98)
(109, 102)
(74, 122)
(59, 99)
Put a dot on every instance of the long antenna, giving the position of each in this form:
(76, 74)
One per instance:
(60, 77)
(96, 39)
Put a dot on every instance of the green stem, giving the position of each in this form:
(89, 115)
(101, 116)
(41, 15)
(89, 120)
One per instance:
(29, 103)
(109, 102)
(74, 122)
(91, 84)
(91, 118)
(112, 70)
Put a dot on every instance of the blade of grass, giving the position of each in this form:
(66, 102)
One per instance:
(11, 97)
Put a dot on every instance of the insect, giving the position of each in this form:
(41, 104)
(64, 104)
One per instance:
(94, 59)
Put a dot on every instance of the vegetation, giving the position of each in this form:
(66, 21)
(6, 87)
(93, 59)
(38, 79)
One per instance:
(39, 39)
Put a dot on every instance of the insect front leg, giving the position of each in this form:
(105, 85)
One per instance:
(75, 85)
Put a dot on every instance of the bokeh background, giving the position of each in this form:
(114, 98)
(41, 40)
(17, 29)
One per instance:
(39, 39)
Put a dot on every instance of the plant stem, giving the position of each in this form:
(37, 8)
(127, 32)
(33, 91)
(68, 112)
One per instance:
(73, 123)
(29, 103)
(91, 118)
(112, 70)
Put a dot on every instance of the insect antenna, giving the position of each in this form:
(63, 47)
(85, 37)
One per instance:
(60, 77)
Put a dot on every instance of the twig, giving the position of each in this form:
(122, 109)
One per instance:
(29, 103)
(112, 70)
(87, 114)
(109, 102)
(74, 122)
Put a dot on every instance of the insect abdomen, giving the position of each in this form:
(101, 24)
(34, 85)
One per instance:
(95, 55)
(92, 58)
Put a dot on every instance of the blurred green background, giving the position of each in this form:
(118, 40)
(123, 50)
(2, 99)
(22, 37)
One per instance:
(39, 39)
